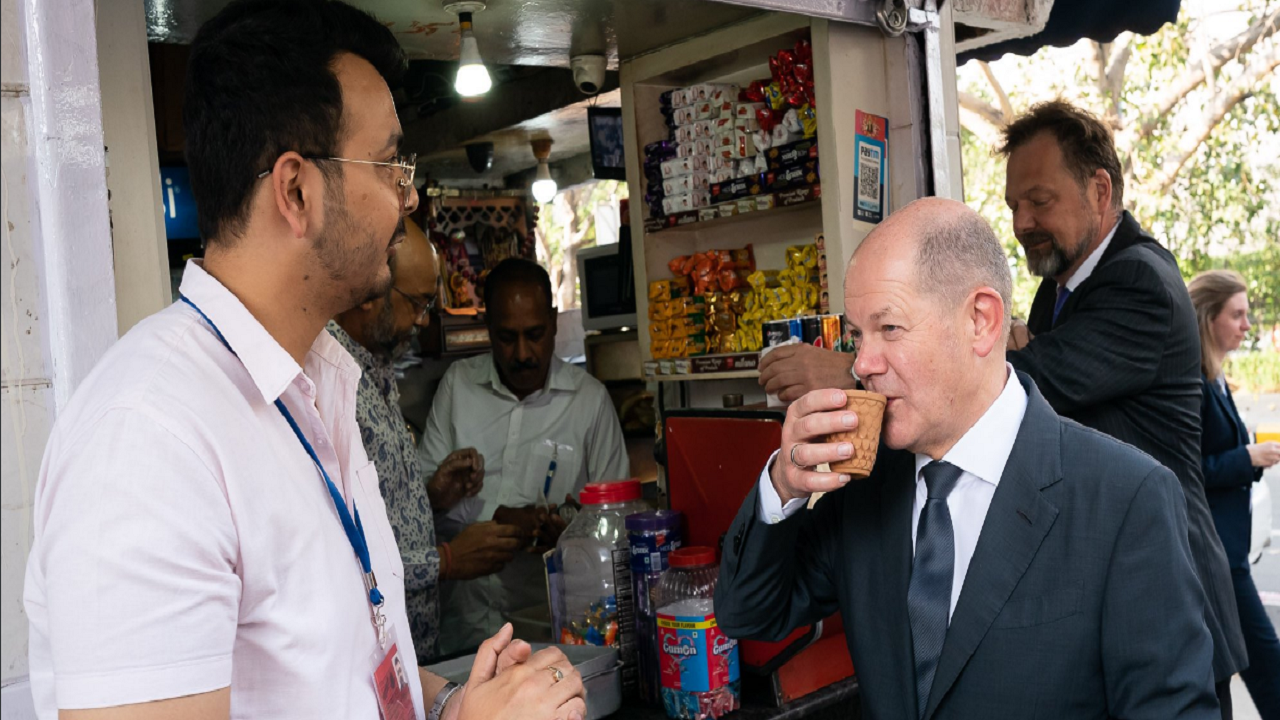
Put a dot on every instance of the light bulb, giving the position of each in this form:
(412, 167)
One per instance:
(473, 77)
(544, 191)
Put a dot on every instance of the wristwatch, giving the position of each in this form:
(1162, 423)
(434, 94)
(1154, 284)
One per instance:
(442, 699)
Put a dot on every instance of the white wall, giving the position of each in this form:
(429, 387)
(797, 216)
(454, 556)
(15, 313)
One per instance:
(57, 288)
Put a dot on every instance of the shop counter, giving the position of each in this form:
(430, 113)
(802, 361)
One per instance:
(839, 700)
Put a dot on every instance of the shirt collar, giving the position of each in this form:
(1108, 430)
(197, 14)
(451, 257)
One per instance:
(1091, 262)
(558, 378)
(270, 366)
(984, 450)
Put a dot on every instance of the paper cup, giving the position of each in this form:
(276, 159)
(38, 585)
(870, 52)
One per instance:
(869, 407)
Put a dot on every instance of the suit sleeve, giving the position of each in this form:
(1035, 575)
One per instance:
(1110, 345)
(775, 578)
(1229, 468)
(1157, 654)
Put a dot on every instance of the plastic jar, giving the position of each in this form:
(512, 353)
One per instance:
(654, 535)
(590, 574)
(699, 663)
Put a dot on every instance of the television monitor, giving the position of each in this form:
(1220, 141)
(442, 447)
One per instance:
(608, 158)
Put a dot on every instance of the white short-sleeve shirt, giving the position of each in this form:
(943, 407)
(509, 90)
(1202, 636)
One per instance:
(184, 540)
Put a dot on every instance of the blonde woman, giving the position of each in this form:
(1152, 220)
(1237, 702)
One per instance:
(1231, 466)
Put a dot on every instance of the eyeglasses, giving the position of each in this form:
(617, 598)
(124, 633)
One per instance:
(419, 307)
(406, 164)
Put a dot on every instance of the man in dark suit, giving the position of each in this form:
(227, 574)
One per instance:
(1113, 337)
(999, 562)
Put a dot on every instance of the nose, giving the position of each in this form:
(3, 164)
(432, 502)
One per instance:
(869, 361)
(1023, 220)
(524, 350)
(423, 320)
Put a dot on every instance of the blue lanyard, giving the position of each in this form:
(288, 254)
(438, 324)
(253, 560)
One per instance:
(355, 530)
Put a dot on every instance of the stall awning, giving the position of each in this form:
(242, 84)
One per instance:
(1073, 20)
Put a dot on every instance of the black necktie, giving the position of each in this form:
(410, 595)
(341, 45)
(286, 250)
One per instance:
(929, 595)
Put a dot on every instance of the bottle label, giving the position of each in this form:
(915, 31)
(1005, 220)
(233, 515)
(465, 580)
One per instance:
(695, 655)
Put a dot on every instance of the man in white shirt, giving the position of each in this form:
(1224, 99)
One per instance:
(999, 561)
(210, 540)
(544, 428)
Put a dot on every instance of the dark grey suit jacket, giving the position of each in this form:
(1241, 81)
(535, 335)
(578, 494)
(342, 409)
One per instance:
(1080, 600)
(1124, 359)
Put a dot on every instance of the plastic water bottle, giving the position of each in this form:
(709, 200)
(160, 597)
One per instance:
(590, 574)
(699, 663)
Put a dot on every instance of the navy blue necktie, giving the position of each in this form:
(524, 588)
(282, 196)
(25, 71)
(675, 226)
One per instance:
(932, 572)
(1063, 294)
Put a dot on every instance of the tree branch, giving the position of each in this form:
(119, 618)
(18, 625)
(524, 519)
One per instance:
(982, 109)
(1227, 98)
(1006, 107)
(1197, 72)
(1119, 63)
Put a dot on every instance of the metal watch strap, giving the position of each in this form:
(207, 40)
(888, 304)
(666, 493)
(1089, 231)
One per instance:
(442, 699)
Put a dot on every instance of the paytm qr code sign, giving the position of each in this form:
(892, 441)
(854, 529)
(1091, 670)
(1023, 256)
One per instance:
(870, 173)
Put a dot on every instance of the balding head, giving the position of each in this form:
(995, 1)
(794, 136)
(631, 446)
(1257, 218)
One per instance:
(956, 251)
(927, 296)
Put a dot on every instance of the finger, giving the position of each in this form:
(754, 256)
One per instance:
(486, 663)
(819, 401)
(780, 380)
(516, 653)
(569, 687)
(575, 709)
(820, 425)
(506, 544)
(791, 394)
(548, 656)
(813, 454)
(811, 481)
(507, 531)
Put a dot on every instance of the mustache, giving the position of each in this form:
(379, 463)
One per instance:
(1035, 238)
(524, 365)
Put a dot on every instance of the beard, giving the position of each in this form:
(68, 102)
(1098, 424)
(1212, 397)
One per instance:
(383, 336)
(354, 270)
(1059, 256)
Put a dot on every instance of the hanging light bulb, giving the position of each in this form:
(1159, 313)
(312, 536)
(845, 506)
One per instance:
(543, 188)
(473, 77)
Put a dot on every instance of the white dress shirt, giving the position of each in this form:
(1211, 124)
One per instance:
(572, 418)
(184, 540)
(981, 454)
(1086, 268)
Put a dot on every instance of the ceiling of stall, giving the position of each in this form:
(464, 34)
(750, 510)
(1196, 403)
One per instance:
(509, 32)
(517, 38)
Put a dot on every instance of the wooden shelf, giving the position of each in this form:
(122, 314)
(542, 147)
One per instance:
(734, 375)
(811, 203)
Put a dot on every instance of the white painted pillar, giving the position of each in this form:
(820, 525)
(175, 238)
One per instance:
(68, 181)
(133, 174)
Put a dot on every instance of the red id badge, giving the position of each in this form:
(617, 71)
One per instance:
(391, 682)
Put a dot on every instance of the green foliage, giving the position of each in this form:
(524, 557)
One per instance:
(1255, 372)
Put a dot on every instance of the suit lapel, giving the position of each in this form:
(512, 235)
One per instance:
(897, 496)
(1229, 407)
(1040, 319)
(1015, 526)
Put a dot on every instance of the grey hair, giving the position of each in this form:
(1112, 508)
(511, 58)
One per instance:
(959, 254)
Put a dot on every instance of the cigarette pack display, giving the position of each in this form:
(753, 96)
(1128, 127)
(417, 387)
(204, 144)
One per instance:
(697, 181)
(687, 149)
(794, 176)
(748, 124)
(784, 155)
(684, 202)
(684, 115)
(747, 109)
(684, 134)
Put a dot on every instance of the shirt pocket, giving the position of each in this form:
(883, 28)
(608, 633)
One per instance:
(376, 523)
(568, 466)
(1041, 609)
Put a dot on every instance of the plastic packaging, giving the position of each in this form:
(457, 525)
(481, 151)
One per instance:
(590, 574)
(654, 535)
(699, 664)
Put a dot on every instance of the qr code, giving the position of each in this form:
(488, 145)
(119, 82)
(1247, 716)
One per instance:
(869, 181)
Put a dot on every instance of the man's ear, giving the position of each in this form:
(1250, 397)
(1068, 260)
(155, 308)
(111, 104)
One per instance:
(986, 309)
(296, 188)
(1103, 188)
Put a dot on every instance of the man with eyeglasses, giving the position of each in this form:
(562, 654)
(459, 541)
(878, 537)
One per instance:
(210, 537)
(377, 333)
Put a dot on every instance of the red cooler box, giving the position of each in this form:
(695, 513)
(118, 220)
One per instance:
(713, 459)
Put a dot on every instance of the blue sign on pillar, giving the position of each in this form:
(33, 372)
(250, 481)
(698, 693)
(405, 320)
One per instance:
(179, 204)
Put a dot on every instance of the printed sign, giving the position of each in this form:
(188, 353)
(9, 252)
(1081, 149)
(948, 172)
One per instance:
(871, 172)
